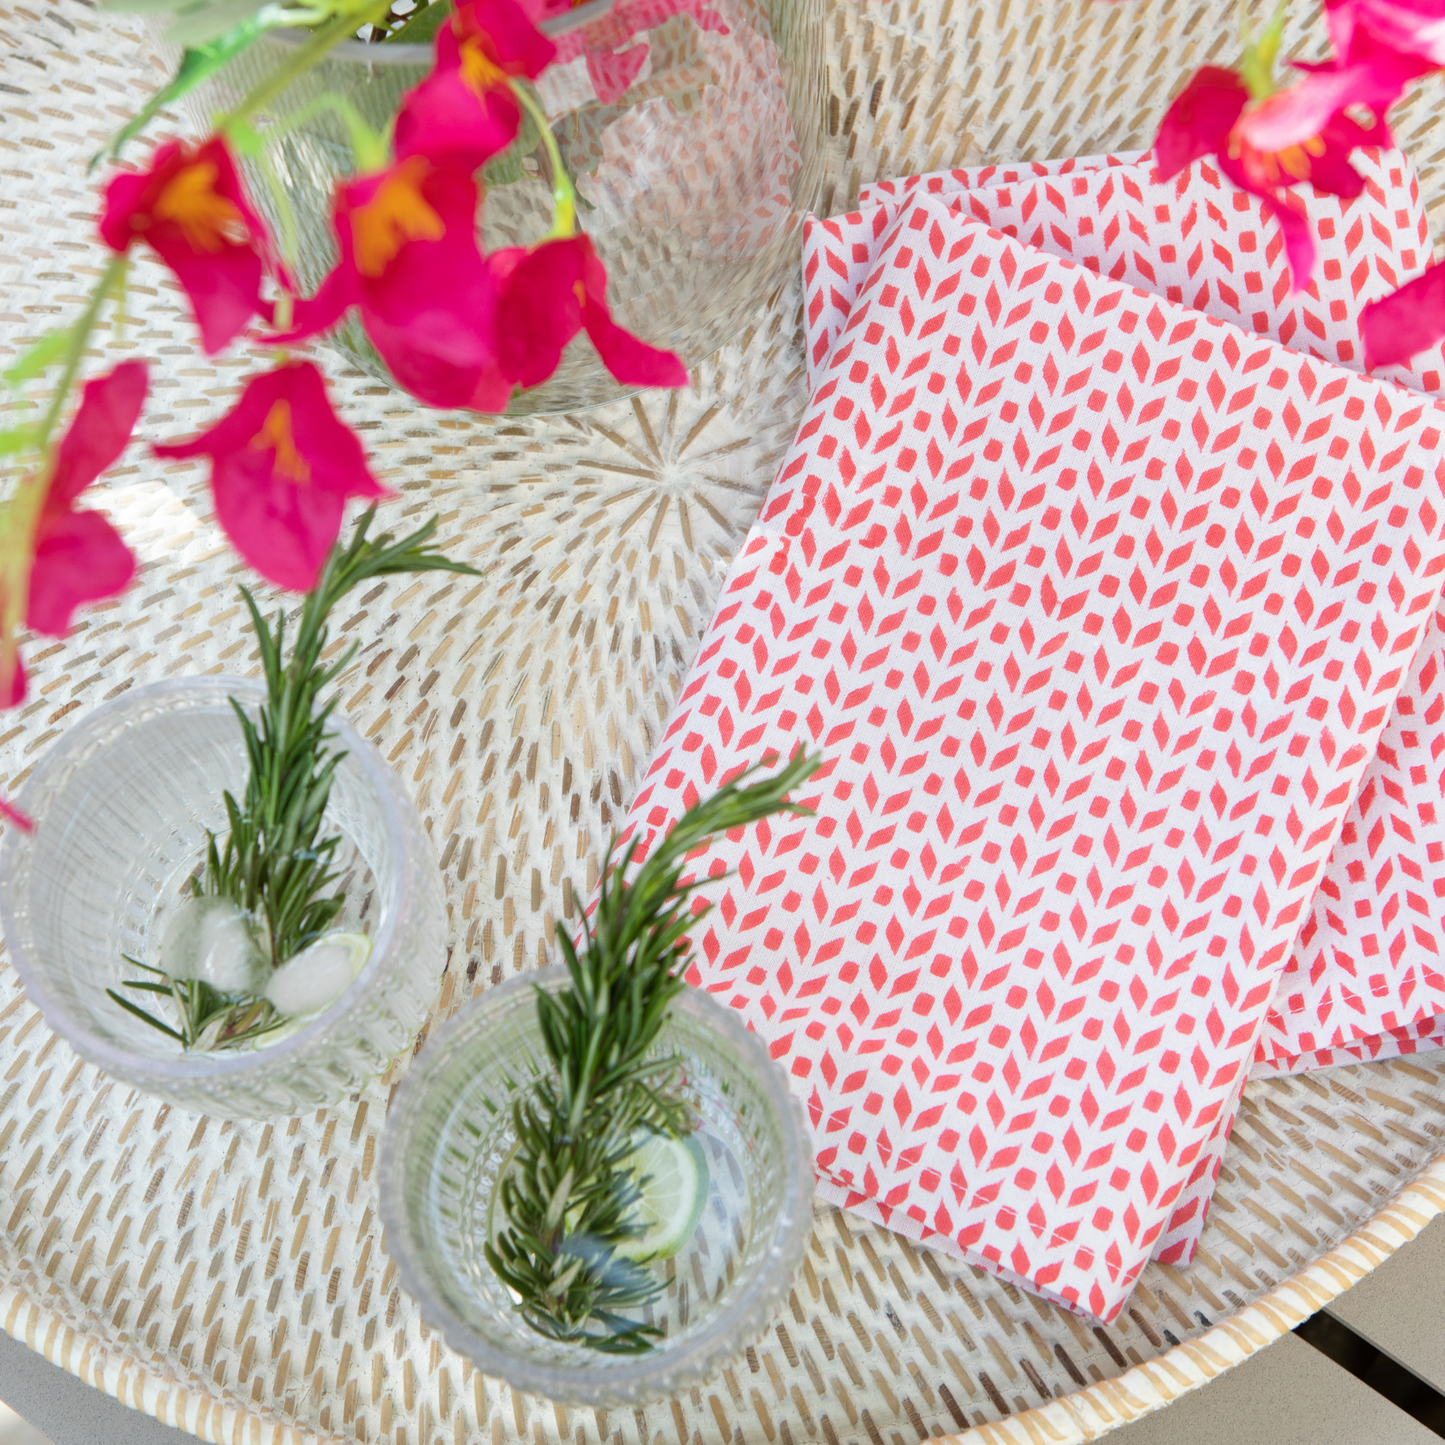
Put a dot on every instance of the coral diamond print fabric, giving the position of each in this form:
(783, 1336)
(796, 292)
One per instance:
(1365, 980)
(1196, 239)
(1096, 608)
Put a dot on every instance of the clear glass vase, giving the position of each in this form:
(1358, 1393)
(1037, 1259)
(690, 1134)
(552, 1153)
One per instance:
(121, 805)
(449, 1136)
(694, 180)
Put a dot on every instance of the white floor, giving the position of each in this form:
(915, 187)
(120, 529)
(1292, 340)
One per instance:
(15, 1431)
(1289, 1394)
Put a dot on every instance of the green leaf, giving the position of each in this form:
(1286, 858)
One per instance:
(38, 357)
(421, 25)
(140, 1013)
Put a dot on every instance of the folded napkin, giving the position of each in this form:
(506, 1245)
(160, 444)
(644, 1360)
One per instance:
(1056, 575)
(1364, 980)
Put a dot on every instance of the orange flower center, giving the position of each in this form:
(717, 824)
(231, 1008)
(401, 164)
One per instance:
(479, 70)
(396, 214)
(1293, 163)
(275, 436)
(188, 200)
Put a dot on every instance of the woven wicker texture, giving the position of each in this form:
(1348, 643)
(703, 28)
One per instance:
(231, 1279)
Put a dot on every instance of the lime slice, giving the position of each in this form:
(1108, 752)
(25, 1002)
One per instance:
(673, 1174)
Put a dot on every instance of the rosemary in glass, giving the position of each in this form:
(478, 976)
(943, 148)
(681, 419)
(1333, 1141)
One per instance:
(275, 865)
(568, 1197)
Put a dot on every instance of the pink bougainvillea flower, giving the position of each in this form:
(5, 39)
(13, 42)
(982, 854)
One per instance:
(76, 556)
(191, 208)
(1207, 118)
(1380, 46)
(282, 467)
(612, 68)
(465, 112)
(79, 556)
(549, 293)
(409, 261)
(1396, 326)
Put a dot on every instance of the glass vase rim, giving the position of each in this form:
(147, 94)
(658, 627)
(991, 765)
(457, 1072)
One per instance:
(16, 852)
(617, 1379)
(418, 52)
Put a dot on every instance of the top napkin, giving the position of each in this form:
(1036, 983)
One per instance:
(1364, 976)
(1057, 576)
(1196, 239)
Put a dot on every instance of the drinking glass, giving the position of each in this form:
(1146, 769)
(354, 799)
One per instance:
(121, 805)
(448, 1139)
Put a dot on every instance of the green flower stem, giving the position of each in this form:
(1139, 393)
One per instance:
(305, 56)
(1256, 65)
(564, 196)
(366, 144)
(110, 279)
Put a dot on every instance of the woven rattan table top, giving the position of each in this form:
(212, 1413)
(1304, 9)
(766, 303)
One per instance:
(232, 1279)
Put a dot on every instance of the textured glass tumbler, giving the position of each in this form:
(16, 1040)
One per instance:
(695, 180)
(449, 1135)
(121, 805)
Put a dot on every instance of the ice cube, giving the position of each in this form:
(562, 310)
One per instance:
(317, 976)
(210, 939)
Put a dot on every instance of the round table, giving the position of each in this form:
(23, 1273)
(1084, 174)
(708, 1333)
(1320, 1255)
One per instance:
(232, 1279)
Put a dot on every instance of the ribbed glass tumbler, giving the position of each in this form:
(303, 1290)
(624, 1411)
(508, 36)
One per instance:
(121, 805)
(449, 1137)
(697, 146)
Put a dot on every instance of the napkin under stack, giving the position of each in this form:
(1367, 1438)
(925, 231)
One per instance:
(1097, 607)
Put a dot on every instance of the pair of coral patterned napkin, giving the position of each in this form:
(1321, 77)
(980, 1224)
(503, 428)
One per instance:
(1364, 980)
(1097, 608)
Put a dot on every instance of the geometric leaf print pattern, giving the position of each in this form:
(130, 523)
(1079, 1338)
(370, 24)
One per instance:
(1195, 239)
(1057, 576)
(1366, 976)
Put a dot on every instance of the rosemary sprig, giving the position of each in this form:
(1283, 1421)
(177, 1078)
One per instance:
(273, 866)
(567, 1196)
(210, 1019)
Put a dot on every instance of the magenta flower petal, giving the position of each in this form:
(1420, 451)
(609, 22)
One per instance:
(109, 408)
(1407, 321)
(464, 112)
(446, 121)
(551, 292)
(631, 361)
(191, 208)
(1299, 242)
(539, 311)
(282, 468)
(1199, 121)
(1408, 27)
(14, 687)
(514, 43)
(79, 558)
(336, 295)
(9, 811)
(399, 231)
